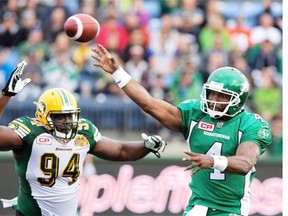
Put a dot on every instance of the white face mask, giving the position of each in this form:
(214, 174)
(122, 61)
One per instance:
(212, 110)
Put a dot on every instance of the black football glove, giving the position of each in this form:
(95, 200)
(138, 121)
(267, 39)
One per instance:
(15, 84)
(154, 143)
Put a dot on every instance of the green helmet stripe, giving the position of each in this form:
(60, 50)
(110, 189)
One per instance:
(64, 97)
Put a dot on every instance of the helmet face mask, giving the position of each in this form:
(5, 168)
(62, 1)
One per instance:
(233, 88)
(58, 111)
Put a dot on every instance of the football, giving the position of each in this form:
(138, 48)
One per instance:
(82, 28)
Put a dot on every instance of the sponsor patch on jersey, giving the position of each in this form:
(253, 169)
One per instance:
(44, 140)
(205, 126)
(81, 141)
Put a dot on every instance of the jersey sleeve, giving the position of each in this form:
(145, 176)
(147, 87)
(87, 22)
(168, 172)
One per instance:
(25, 128)
(257, 131)
(20, 127)
(190, 110)
(90, 131)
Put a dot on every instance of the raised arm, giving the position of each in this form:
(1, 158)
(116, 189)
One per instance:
(14, 85)
(167, 114)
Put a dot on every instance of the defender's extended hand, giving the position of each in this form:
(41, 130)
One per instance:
(104, 59)
(15, 84)
(154, 143)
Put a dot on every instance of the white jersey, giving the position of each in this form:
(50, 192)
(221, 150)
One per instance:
(50, 170)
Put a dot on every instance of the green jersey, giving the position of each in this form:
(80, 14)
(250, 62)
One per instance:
(48, 170)
(224, 191)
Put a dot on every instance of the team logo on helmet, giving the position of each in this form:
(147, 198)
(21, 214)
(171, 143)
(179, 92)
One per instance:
(245, 87)
(41, 106)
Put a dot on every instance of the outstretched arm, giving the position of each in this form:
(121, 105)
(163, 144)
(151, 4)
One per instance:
(111, 149)
(14, 85)
(167, 114)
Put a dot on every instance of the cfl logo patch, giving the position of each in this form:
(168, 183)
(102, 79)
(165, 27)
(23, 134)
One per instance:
(206, 126)
(44, 140)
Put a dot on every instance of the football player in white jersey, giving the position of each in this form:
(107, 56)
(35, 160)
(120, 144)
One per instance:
(50, 149)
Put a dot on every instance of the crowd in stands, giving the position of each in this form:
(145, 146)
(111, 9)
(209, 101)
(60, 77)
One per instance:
(169, 46)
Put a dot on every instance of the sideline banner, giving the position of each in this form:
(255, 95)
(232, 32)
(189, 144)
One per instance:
(162, 189)
(150, 187)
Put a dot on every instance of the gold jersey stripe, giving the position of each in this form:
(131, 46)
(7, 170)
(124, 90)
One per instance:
(22, 127)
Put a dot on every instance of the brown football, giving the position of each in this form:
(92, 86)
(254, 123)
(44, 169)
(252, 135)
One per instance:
(82, 28)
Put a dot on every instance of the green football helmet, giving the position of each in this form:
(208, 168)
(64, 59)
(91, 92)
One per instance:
(229, 81)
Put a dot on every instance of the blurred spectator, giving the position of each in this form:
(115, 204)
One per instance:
(28, 22)
(157, 87)
(9, 30)
(112, 34)
(217, 48)
(267, 96)
(213, 61)
(88, 7)
(132, 22)
(263, 55)
(240, 35)
(215, 27)
(138, 9)
(60, 71)
(268, 6)
(11, 6)
(137, 66)
(88, 73)
(187, 82)
(211, 8)
(187, 46)
(188, 18)
(163, 47)
(40, 8)
(35, 46)
(265, 31)
(168, 6)
(137, 37)
(54, 24)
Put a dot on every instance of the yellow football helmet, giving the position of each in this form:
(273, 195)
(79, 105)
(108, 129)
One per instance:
(58, 101)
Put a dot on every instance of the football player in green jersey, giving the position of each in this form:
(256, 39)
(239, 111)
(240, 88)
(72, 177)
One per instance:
(225, 140)
(49, 150)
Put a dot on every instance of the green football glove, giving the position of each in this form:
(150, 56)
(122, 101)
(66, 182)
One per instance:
(154, 143)
(15, 84)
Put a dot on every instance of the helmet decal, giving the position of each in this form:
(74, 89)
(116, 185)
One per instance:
(245, 87)
(64, 97)
(41, 107)
(217, 86)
